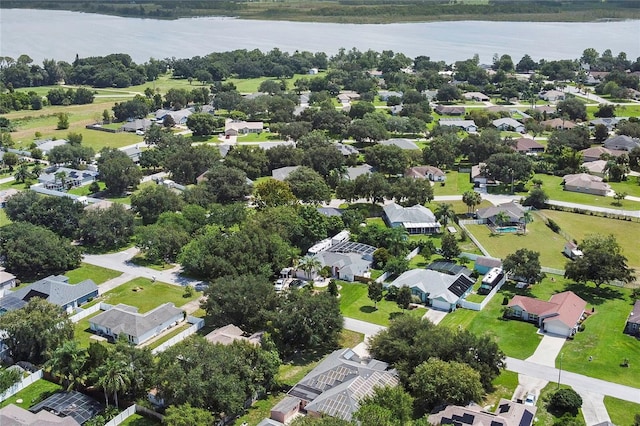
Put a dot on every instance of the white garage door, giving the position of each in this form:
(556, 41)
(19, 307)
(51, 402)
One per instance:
(440, 304)
(558, 329)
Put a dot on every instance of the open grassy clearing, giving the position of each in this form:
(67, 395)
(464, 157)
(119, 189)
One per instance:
(456, 184)
(621, 412)
(91, 272)
(146, 295)
(578, 226)
(553, 188)
(32, 394)
(82, 331)
(504, 387)
(4, 220)
(538, 238)
(355, 303)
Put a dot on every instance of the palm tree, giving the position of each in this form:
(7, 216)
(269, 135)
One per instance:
(114, 377)
(501, 218)
(309, 264)
(471, 199)
(62, 176)
(444, 212)
(22, 174)
(68, 361)
(527, 217)
(37, 169)
(396, 240)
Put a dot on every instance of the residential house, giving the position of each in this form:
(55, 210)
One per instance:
(622, 143)
(346, 149)
(585, 183)
(509, 123)
(449, 268)
(402, 144)
(449, 110)
(596, 168)
(239, 127)
(416, 220)
(561, 315)
(346, 96)
(329, 211)
(285, 410)
(552, 96)
(384, 95)
(5, 195)
(571, 250)
(527, 146)
(633, 322)
(484, 264)
(478, 176)
(230, 333)
(179, 117)
(336, 385)
(466, 125)
(354, 172)
(507, 413)
(57, 290)
(47, 145)
(497, 109)
(347, 260)
(78, 406)
(283, 172)
(558, 124)
(137, 328)
(545, 109)
(63, 178)
(7, 281)
(514, 214)
(139, 125)
(435, 289)
(12, 415)
(632, 94)
(476, 96)
(133, 152)
(432, 173)
(609, 122)
(596, 152)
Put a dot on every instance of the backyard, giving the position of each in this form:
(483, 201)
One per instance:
(456, 183)
(578, 226)
(538, 238)
(91, 272)
(32, 394)
(355, 303)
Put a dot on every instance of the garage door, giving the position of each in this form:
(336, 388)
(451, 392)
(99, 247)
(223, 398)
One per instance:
(440, 304)
(559, 329)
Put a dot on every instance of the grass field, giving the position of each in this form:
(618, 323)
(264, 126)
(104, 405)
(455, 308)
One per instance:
(504, 387)
(538, 238)
(579, 226)
(4, 220)
(138, 420)
(91, 272)
(355, 303)
(456, 184)
(32, 394)
(82, 331)
(145, 295)
(621, 412)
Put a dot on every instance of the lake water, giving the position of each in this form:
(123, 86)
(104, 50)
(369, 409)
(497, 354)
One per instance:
(60, 35)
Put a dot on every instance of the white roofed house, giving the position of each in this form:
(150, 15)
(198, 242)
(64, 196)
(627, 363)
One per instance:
(239, 127)
(436, 289)
(466, 125)
(432, 173)
(588, 184)
(508, 123)
(416, 220)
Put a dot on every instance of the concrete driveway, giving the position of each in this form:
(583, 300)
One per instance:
(593, 409)
(435, 316)
(548, 350)
(527, 385)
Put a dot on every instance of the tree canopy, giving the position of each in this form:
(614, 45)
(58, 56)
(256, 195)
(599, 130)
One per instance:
(602, 261)
(523, 264)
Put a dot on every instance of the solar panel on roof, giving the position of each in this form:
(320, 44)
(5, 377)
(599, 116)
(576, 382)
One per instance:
(526, 419)
(70, 404)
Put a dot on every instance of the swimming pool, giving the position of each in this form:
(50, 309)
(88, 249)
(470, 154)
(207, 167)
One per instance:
(507, 229)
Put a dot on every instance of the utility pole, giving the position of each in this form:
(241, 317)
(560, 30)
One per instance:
(560, 370)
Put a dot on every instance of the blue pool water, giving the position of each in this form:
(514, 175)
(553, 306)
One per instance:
(507, 229)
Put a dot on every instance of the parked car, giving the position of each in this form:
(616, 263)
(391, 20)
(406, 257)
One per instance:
(279, 285)
(530, 399)
(201, 286)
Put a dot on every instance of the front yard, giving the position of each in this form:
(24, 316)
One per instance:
(621, 412)
(355, 303)
(538, 238)
(91, 272)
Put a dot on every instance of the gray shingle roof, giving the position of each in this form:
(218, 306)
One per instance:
(56, 290)
(401, 143)
(435, 284)
(125, 319)
(515, 211)
(416, 214)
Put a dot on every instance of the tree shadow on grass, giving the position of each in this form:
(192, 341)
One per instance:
(367, 309)
(594, 295)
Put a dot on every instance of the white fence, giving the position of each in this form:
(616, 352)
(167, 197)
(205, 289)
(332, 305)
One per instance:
(474, 239)
(15, 388)
(474, 306)
(382, 278)
(197, 324)
(122, 416)
(552, 270)
(90, 311)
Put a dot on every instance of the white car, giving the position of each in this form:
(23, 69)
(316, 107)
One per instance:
(279, 285)
(530, 399)
(139, 132)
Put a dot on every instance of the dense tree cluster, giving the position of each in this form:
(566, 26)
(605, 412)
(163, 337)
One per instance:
(602, 261)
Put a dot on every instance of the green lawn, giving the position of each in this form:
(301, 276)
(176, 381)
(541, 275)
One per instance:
(96, 273)
(538, 238)
(578, 226)
(354, 303)
(145, 295)
(4, 220)
(504, 387)
(603, 339)
(621, 412)
(543, 415)
(138, 420)
(82, 331)
(84, 190)
(553, 188)
(175, 331)
(459, 207)
(456, 184)
(32, 394)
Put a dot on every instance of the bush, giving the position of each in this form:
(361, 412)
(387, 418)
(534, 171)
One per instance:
(553, 226)
(566, 401)
(188, 291)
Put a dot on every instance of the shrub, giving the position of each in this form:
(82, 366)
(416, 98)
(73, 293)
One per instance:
(188, 291)
(553, 226)
(566, 401)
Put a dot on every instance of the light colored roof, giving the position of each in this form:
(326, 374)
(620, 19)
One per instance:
(416, 214)
(622, 142)
(597, 166)
(423, 171)
(598, 151)
(477, 95)
(508, 413)
(283, 172)
(340, 381)
(12, 415)
(5, 276)
(126, 319)
(634, 316)
(565, 307)
(7, 193)
(47, 145)
(230, 333)
(139, 124)
(449, 110)
(347, 263)
(526, 144)
(401, 143)
(488, 261)
(270, 422)
(436, 284)
(559, 123)
(508, 121)
(56, 290)
(515, 211)
(354, 172)
(239, 125)
(457, 123)
(585, 180)
(346, 149)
